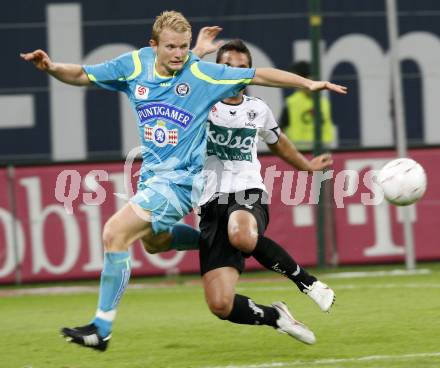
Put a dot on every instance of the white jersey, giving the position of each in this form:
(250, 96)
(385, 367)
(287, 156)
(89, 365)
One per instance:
(231, 160)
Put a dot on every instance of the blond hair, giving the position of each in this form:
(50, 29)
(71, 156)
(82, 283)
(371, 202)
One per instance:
(172, 20)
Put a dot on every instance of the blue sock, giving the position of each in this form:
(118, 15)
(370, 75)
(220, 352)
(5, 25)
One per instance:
(114, 279)
(184, 237)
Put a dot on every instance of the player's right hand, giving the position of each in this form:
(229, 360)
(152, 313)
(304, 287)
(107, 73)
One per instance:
(321, 162)
(206, 43)
(39, 58)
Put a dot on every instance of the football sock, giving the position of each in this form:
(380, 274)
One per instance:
(246, 312)
(114, 279)
(184, 237)
(272, 256)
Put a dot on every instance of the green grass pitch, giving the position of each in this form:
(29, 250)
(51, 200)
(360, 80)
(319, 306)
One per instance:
(383, 321)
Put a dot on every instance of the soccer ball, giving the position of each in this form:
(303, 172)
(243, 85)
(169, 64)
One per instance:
(403, 181)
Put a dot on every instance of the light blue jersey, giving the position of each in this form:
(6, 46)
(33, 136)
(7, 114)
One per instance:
(171, 115)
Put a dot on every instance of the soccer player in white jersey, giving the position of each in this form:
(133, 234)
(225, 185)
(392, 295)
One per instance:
(234, 213)
(171, 91)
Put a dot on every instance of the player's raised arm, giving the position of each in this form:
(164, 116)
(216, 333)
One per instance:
(68, 73)
(205, 41)
(287, 151)
(279, 78)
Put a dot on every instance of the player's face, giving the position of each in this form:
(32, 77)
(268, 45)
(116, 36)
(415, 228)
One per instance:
(235, 59)
(171, 50)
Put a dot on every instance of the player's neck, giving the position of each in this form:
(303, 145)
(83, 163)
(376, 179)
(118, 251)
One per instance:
(236, 100)
(162, 72)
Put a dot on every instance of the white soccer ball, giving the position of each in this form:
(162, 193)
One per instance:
(403, 181)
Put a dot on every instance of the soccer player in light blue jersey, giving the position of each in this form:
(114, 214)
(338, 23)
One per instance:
(171, 91)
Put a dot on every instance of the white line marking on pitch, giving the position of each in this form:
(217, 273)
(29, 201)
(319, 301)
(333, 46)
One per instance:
(346, 287)
(304, 363)
(167, 286)
(350, 275)
(71, 290)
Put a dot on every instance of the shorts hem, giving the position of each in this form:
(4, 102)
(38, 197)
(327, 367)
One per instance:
(207, 269)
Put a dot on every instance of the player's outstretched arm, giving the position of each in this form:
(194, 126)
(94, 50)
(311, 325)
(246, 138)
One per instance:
(205, 41)
(279, 78)
(68, 73)
(287, 151)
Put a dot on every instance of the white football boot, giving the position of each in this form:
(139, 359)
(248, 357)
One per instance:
(287, 324)
(321, 294)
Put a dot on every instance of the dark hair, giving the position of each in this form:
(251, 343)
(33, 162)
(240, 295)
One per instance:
(234, 45)
(301, 68)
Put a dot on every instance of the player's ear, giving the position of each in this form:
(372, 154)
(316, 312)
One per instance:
(153, 44)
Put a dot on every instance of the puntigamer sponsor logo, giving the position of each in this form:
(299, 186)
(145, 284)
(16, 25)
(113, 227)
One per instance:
(230, 143)
(171, 113)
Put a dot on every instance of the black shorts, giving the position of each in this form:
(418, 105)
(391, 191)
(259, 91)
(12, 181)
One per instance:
(215, 249)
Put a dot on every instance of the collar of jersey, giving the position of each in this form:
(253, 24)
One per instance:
(229, 104)
(156, 73)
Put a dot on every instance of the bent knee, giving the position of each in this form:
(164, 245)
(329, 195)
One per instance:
(243, 240)
(112, 240)
(221, 306)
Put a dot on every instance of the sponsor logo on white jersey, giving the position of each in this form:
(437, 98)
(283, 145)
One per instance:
(230, 144)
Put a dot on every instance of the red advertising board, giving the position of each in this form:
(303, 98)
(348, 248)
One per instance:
(60, 242)
(58, 239)
(8, 254)
(364, 233)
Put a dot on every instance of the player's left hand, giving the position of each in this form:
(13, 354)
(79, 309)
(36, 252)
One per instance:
(205, 41)
(321, 162)
(320, 85)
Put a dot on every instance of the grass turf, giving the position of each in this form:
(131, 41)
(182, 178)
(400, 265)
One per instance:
(387, 321)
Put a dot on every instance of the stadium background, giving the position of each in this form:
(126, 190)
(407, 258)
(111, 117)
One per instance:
(46, 127)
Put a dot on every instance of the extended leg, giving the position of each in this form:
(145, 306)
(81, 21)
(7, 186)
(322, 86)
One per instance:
(120, 231)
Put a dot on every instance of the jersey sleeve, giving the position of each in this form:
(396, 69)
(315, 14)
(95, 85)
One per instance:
(113, 74)
(223, 81)
(270, 132)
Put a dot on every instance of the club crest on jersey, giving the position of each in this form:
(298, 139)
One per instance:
(160, 135)
(164, 111)
(141, 92)
(251, 115)
(182, 89)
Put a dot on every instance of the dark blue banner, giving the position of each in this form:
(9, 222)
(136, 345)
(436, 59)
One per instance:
(42, 119)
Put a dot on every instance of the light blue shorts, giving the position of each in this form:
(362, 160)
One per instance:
(167, 201)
